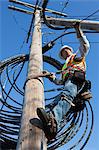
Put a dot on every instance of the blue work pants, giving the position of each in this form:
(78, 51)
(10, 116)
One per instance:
(62, 106)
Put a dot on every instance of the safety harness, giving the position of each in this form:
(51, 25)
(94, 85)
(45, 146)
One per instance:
(73, 65)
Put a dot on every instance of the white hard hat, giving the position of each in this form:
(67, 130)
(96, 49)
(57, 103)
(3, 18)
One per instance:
(63, 47)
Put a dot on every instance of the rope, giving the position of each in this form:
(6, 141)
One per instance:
(42, 74)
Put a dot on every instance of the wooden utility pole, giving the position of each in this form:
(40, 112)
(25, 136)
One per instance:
(32, 137)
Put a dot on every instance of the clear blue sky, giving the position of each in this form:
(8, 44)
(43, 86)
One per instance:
(13, 31)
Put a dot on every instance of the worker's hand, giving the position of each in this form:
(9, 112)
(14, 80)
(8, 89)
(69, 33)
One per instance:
(78, 29)
(76, 25)
(45, 72)
(52, 76)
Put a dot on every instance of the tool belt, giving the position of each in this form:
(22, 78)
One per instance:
(78, 77)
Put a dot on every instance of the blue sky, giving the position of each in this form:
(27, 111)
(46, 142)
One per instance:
(13, 30)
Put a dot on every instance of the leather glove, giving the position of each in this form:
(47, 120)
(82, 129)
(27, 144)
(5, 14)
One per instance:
(50, 76)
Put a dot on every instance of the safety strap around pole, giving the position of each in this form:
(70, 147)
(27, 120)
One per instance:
(42, 74)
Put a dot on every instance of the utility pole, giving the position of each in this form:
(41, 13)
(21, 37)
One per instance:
(32, 137)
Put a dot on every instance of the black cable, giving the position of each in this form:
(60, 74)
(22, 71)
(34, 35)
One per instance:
(91, 128)
(65, 5)
(44, 18)
(89, 15)
(7, 94)
(49, 45)
(14, 85)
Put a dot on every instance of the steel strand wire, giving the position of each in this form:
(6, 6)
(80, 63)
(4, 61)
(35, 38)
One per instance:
(72, 121)
(74, 132)
(12, 60)
(7, 94)
(67, 119)
(61, 142)
(6, 137)
(4, 100)
(5, 125)
(59, 134)
(6, 112)
(61, 137)
(17, 110)
(14, 121)
(79, 118)
(8, 131)
(86, 128)
(81, 138)
(2, 85)
(44, 18)
(91, 128)
(13, 129)
(10, 113)
(57, 145)
(14, 85)
(74, 129)
(66, 134)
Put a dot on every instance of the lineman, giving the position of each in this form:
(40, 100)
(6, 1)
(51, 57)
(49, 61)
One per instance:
(74, 68)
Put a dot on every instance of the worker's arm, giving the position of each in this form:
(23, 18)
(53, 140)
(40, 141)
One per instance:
(53, 79)
(58, 82)
(84, 43)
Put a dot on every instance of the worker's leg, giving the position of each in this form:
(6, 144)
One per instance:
(62, 107)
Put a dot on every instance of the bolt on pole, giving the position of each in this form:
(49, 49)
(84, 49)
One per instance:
(30, 136)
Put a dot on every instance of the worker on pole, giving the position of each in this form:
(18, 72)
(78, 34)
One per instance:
(73, 76)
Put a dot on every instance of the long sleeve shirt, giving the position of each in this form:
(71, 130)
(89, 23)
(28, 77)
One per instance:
(82, 52)
(84, 46)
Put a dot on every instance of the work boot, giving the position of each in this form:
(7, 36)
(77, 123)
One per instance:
(49, 123)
